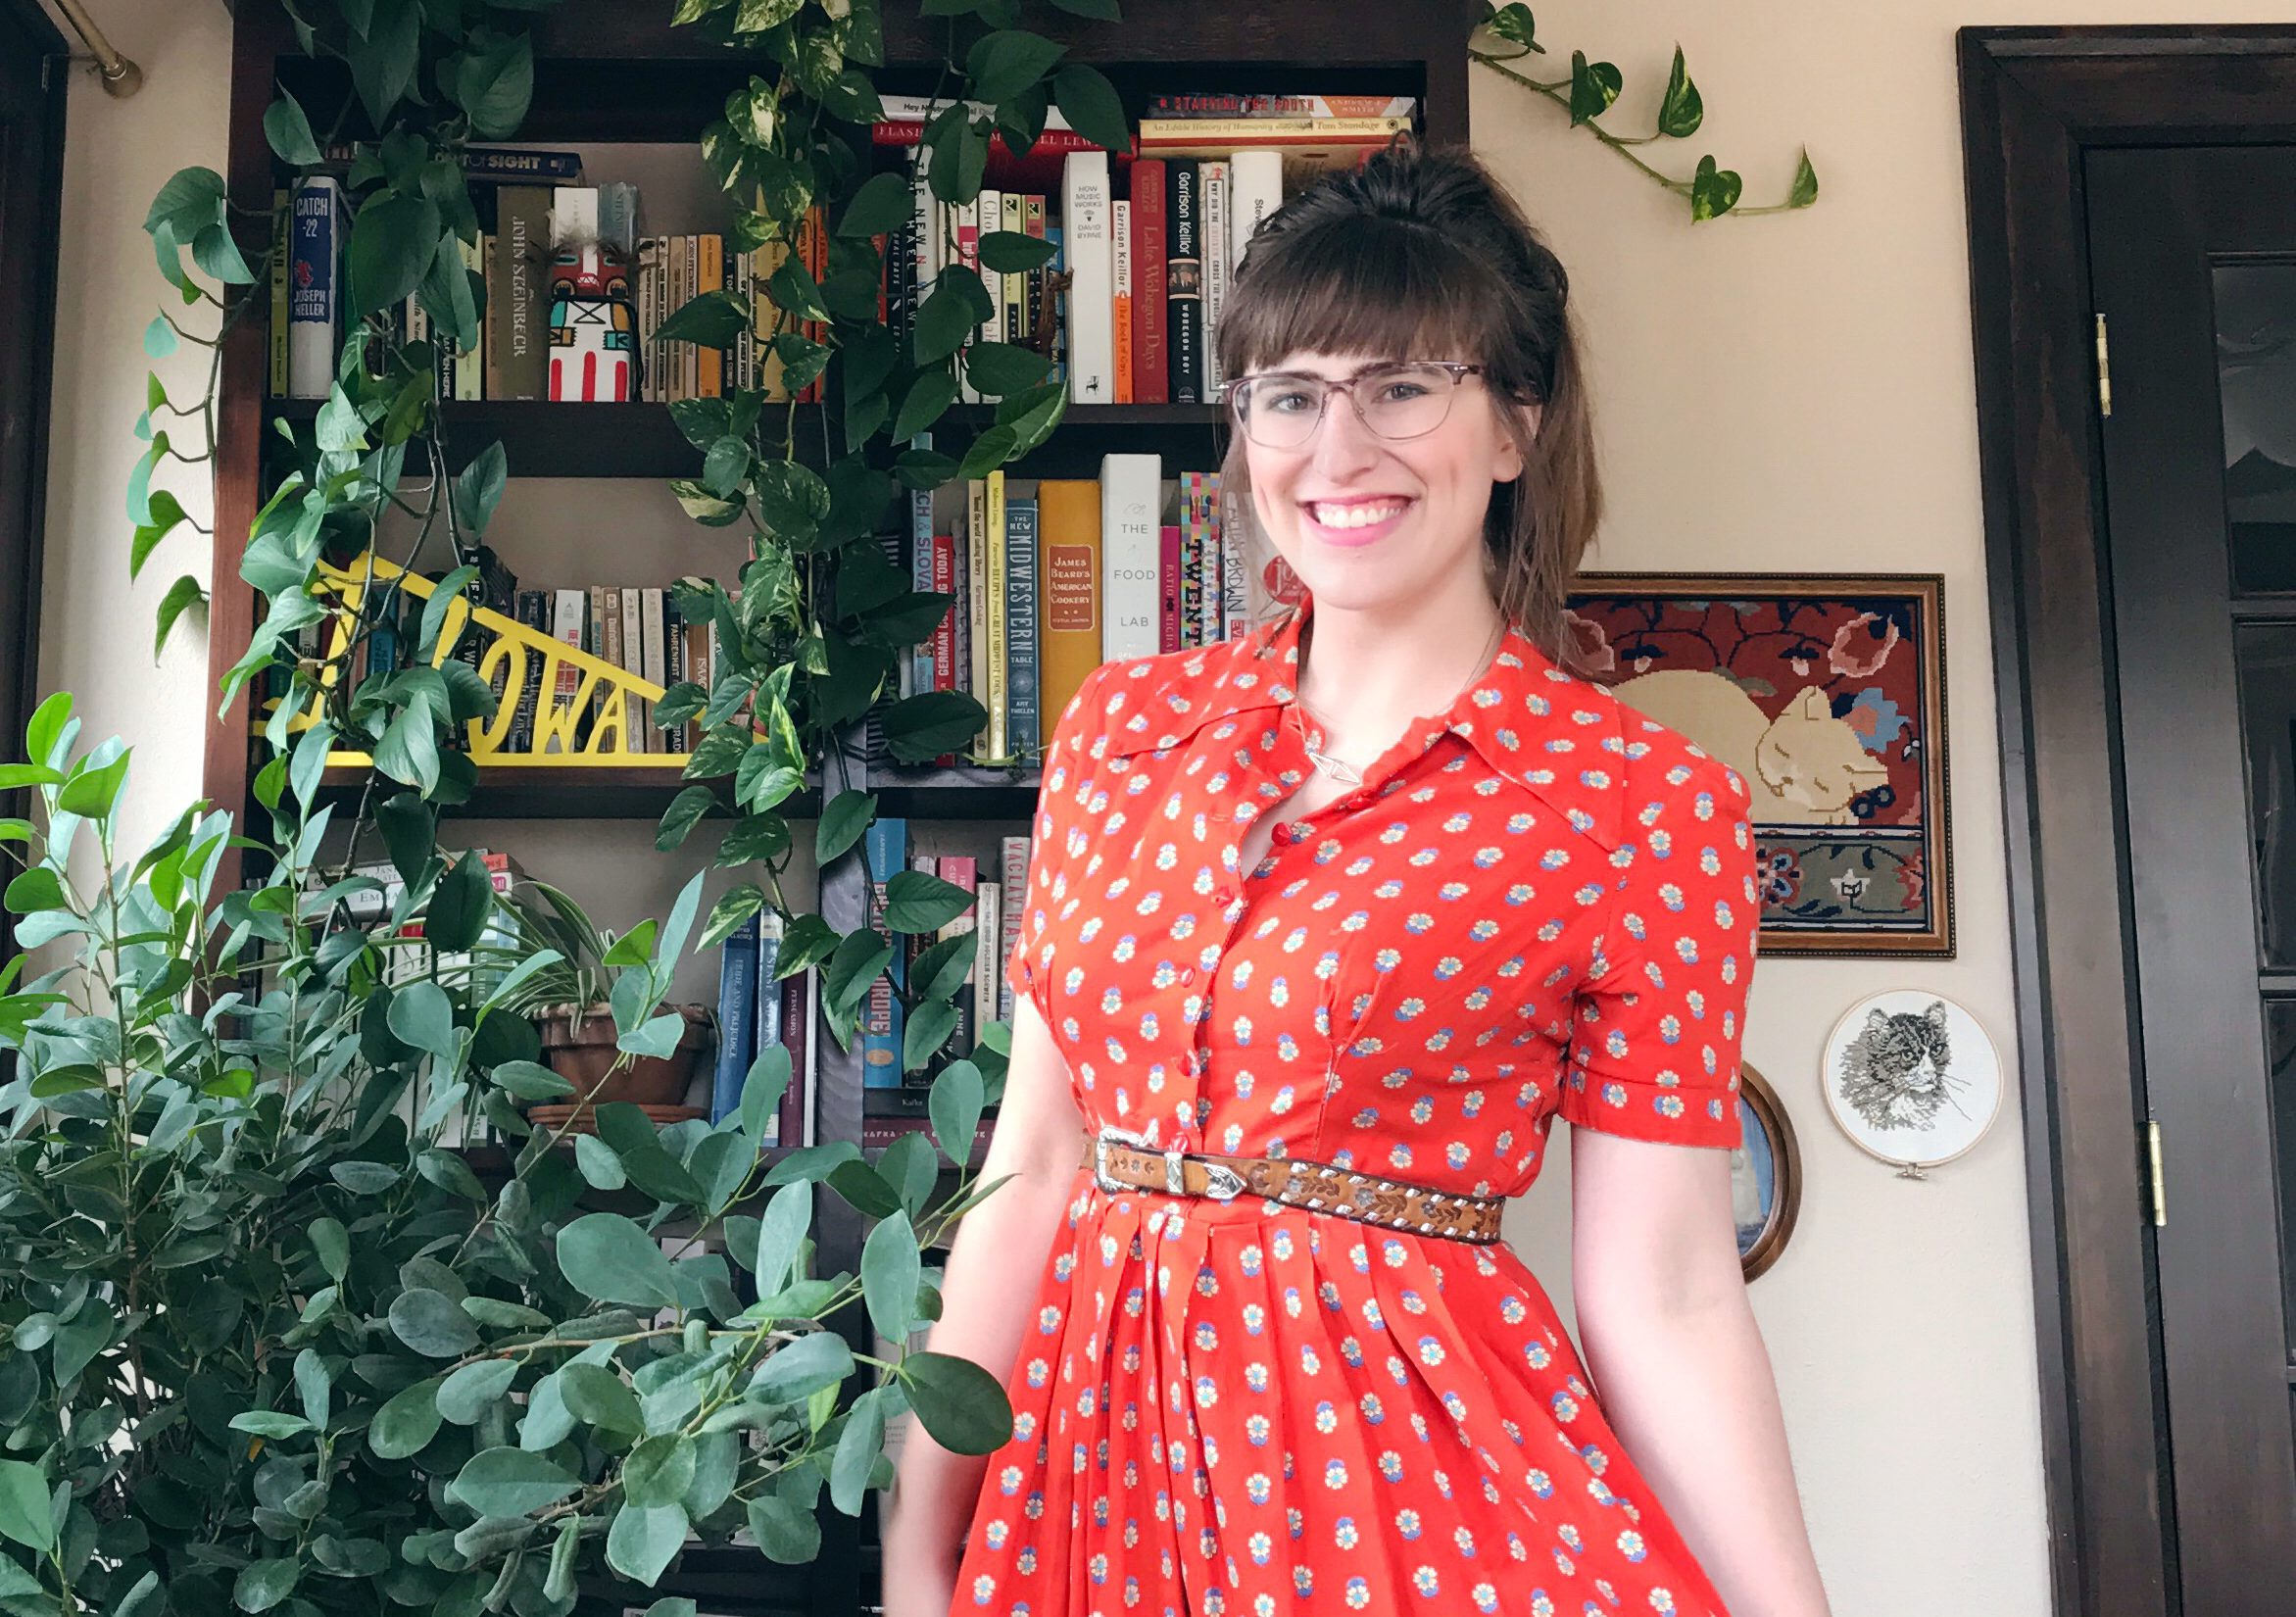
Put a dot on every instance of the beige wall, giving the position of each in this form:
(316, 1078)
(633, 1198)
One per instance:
(1794, 394)
(95, 627)
(1785, 394)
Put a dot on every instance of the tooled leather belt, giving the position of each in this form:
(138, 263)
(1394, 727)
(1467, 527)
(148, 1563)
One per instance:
(1121, 1161)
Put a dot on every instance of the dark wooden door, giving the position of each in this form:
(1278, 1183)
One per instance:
(31, 190)
(2193, 254)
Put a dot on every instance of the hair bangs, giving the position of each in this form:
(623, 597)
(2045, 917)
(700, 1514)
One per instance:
(1385, 288)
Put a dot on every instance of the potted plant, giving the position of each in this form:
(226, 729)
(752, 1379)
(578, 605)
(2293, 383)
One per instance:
(571, 1002)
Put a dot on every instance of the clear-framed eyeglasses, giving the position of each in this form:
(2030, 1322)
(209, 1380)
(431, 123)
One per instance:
(1396, 400)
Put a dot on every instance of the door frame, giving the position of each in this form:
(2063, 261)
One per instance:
(2034, 101)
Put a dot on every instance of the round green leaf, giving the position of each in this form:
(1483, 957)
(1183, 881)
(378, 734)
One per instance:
(659, 1470)
(25, 1513)
(510, 1482)
(644, 1540)
(791, 1374)
(288, 130)
(890, 1272)
(959, 1403)
(263, 1585)
(781, 1231)
(469, 1392)
(858, 1448)
(593, 1393)
(601, 1169)
(788, 1532)
(430, 1323)
(607, 1257)
(393, 241)
(268, 1423)
(332, 1242)
(406, 1423)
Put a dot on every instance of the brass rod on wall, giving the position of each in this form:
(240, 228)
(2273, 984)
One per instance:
(121, 77)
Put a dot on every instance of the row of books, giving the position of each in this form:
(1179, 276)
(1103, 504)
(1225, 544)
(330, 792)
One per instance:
(673, 271)
(550, 258)
(757, 1008)
(1053, 576)
(994, 921)
(1147, 271)
(638, 628)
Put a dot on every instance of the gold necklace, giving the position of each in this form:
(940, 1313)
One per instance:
(1338, 769)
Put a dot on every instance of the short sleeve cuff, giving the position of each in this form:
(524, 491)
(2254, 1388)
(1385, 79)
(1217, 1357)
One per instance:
(1642, 1110)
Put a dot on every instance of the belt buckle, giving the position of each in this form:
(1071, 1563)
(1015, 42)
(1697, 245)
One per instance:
(1223, 1183)
(1110, 1135)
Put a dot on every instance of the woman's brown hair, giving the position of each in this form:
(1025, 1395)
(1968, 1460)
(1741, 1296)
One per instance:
(1423, 255)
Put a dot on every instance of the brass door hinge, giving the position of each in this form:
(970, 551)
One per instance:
(2152, 1135)
(2104, 369)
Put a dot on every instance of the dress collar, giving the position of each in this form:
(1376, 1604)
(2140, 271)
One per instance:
(1528, 718)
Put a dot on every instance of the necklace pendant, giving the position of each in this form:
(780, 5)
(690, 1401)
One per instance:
(1338, 768)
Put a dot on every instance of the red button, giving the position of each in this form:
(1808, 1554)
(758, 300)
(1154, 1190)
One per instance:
(1188, 974)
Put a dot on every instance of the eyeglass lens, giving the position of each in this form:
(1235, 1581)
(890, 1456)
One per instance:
(1396, 401)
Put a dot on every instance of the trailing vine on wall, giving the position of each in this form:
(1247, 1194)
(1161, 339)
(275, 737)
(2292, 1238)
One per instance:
(1510, 34)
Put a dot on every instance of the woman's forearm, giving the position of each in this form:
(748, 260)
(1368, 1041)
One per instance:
(987, 1292)
(1691, 1394)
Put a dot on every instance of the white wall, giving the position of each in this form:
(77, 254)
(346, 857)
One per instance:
(1794, 394)
(95, 629)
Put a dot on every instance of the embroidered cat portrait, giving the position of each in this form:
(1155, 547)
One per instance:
(1897, 1073)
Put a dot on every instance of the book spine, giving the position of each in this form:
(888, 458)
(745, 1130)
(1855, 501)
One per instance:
(710, 277)
(1191, 566)
(976, 612)
(1058, 267)
(737, 1019)
(654, 637)
(1131, 506)
(960, 634)
(673, 665)
(988, 965)
(885, 849)
(1221, 134)
(814, 247)
(1234, 587)
(1256, 190)
(918, 669)
(767, 1031)
(470, 363)
(967, 253)
(1184, 282)
(566, 623)
(314, 310)
(1218, 104)
(1069, 590)
(1032, 225)
(944, 669)
(1205, 497)
(1211, 177)
(762, 264)
(999, 674)
(516, 326)
(1020, 628)
(1092, 289)
(963, 871)
(631, 655)
(282, 256)
(533, 612)
(1120, 304)
(698, 668)
(1013, 293)
(1016, 873)
(916, 1086)
(796, 1032)
(1168, 576)
(1151, 381)
(498, 164)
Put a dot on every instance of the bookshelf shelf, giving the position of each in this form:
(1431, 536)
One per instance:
(611, 72)
(545, 439)
(543, 791)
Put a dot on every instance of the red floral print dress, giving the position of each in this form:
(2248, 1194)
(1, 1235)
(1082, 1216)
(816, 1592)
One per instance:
(1536, 902)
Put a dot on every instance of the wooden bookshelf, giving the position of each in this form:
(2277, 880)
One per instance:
(614, 71)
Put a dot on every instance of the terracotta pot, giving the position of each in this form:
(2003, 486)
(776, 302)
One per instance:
(581, 1049)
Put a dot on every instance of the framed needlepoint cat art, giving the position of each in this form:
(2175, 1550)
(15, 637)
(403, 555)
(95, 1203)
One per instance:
(1827, 696)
